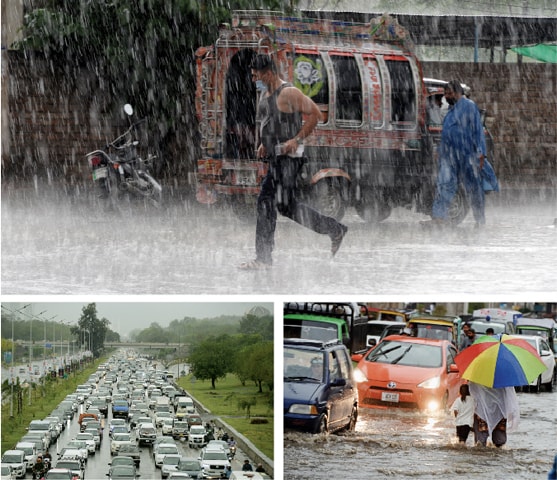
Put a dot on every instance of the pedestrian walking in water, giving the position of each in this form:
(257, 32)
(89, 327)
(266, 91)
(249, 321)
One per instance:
(496, 412)
(281, 134)
(461, 156)
(463, 409)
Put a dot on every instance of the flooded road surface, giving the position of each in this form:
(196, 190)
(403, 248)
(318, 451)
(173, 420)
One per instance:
(406, 445)
(57, 244)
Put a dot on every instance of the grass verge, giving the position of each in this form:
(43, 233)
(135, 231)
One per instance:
(228, 401)
(13, 428)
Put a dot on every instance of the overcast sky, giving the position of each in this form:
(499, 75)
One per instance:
(127, 316)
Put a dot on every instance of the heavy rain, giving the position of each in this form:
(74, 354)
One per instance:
(51, 245)
(67, 231)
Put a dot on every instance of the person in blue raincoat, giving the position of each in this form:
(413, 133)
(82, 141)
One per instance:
(462, 152)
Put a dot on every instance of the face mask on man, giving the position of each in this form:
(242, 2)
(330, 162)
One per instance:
(260, 85)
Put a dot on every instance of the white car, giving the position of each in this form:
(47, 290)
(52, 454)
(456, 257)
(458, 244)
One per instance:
(89, 440)
(167, 424)
(545, 379)
(6, 472)
(16, 460)
(163, 450)
(169, 464)
(119, 439)
(214, 462)
(160, 416)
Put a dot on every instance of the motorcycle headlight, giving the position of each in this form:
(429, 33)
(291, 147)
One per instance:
(434, 382)
(302, 409)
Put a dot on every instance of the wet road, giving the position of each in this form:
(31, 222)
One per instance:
(55, 244)
(403, 445)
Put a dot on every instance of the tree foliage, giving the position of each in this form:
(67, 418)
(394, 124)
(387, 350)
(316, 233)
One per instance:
(90, 330)
(212, 358)
(140, 51)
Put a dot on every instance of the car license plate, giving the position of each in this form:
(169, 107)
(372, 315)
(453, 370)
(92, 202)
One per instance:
(99, 173)
(389, 397)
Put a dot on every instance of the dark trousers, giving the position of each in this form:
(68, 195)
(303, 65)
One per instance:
(278, 192)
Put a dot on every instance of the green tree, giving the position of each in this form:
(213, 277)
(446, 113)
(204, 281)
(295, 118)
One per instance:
(263, 326)
(212, 358)
(257, 363)
(90, 331)
(153, 334)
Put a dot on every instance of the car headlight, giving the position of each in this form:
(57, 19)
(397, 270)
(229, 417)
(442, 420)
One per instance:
(359, 376)
(302, 409)
(434, 382)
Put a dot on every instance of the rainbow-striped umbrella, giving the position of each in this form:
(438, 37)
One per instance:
(500, 361)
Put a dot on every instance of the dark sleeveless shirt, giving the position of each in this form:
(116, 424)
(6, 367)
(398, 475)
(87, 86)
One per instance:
(276, 126)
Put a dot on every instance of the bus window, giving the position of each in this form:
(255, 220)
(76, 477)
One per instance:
(403, 94)
(348, 89)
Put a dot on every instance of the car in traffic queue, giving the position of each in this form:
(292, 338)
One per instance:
(408, 372)
(544, 379)
(6, 472)
(169, 464)
(122, 460)
(214, 462)
(435, 327)
(187, 466)
(72, 464)
(163, 450)
(129, 451)
(89, 441)
(16, 460)
(60, 474)
(146, 434)
(167, 425)
(320, 394)
(123, 472)
(96, 436)
(180, 429)
(119, 439)
(30, 450)
(197, 436)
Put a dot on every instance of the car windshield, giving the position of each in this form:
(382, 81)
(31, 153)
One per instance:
(167, 449)
(198, 430)
(66, 464)
(480, 327)
(129, 448)
(215, 456)
(170, 460)
(121, 437)
(406, 353)
(190, 465)
(58, 476)
(9, 458)
(123, 471)
(439, 332)
(303, 365)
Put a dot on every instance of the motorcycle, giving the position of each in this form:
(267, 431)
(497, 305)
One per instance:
(122, 172)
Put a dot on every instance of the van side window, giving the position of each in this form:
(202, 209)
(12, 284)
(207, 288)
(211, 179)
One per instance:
(348, 88)
(343, 364)
(403, 93)
(334, 368)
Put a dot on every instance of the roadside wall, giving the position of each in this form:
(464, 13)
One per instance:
(243, 443)
(52, 123)
(521, 103)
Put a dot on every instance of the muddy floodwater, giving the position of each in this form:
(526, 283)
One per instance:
(54, 243)
(404, 444)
